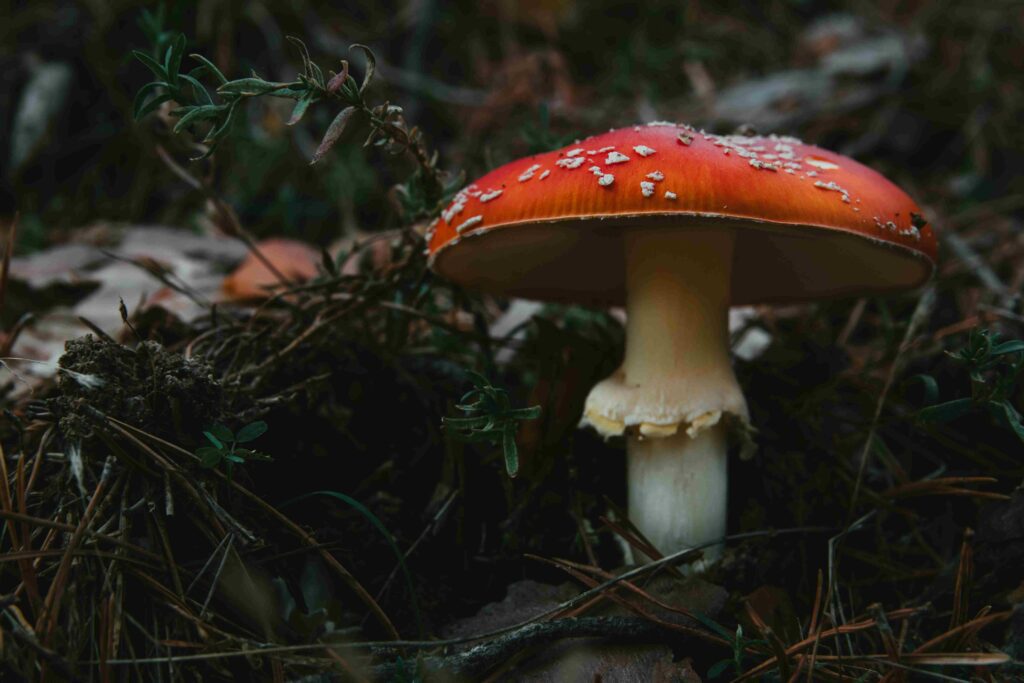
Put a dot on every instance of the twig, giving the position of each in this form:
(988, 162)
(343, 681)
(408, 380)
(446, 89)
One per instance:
(390, 647)
(474, 662)
(5, 264)
(980, 269)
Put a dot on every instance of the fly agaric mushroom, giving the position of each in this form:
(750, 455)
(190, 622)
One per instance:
(679, 224)
(252, 280)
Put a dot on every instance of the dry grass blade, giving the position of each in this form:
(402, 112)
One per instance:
(47, 620)
(889, 642)
(778, 648)
(20, 538)
(631, 605)
(307, 540)
(814, 628)
(963, 632)
(603, 575)
(964, 573)
(945, 486)
(629, 533)
(796, 648)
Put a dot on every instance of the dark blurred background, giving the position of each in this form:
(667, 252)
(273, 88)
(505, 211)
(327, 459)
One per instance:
(929, 93)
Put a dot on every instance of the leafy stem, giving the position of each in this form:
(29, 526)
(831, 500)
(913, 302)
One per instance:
(421, 197)
(994, 367)
(225, 447)
(491, 417)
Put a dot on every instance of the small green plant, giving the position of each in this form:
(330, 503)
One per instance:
(490, 417)
(994, 367)
(421, 197)
(740, 644)
(225, 446)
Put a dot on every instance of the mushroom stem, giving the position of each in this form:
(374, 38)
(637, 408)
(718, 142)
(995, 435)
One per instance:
(678, 489)
(675, 384)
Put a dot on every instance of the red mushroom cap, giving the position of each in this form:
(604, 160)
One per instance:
(810, 223)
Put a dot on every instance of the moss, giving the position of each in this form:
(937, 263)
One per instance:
(147, 386)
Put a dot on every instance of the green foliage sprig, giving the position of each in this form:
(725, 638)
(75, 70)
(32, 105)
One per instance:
(739, 642)
(421, 196)
(490, 417)
(994, 367)
(225, 446)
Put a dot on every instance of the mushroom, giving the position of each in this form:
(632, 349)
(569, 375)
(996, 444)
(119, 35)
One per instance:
(679, 224)
(252, 280)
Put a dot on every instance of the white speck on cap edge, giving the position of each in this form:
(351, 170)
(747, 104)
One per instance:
(469, 223)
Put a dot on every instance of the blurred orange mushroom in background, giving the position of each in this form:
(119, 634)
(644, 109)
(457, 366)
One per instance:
(252, 280)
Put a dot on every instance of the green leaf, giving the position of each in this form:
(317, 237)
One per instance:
(1012, 418)
(251, 431)
(199, 113)
(250, 87)
(531, 413)
(508, 446)
(318, 76)
(231, 457)
(151, 105)
(198, 89)
(307, 63)
(211, 66)
(1008, 347)
(214, 440)
(172, 62)
(222, 432)
(931, 388)
(334, 132)
(219, 131)
(301, 106)
(209, 456)
(327, 262)
(371, 65)
(950, 410)
(153, 65)
(291, 93)
(141, 107)
(718, 668)
(477, 379)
